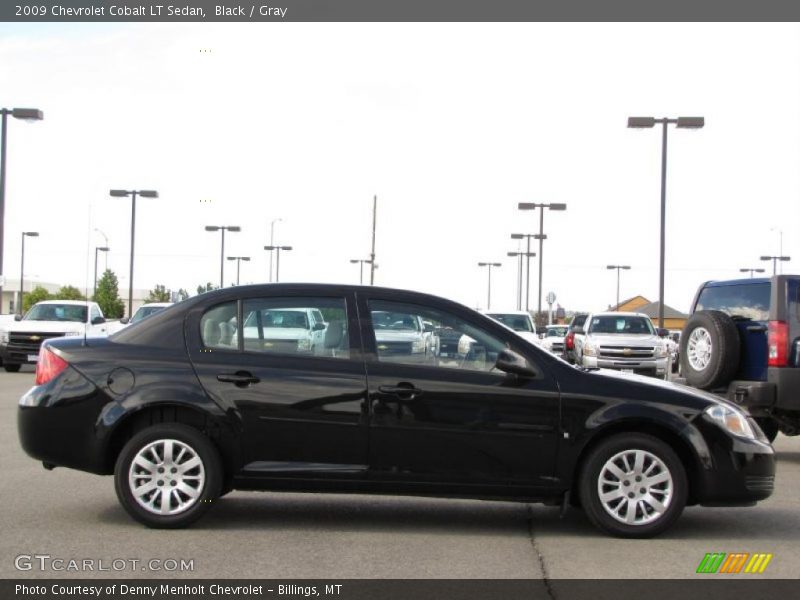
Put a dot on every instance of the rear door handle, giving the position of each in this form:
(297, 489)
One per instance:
(404, 392)
(239, 379)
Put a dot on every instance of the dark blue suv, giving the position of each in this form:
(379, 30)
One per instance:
(742, 341)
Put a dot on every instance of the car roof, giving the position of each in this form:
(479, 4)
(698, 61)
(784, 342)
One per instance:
(70, 302)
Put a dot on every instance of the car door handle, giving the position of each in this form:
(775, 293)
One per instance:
(404, 392)
(240, 378)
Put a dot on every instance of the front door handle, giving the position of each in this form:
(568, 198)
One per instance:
(239, 379)
(402, 391)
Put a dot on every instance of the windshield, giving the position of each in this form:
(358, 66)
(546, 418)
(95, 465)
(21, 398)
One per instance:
(57, 312)
(621, 324)
(515, 322)
(393, 321)
(146, 311)
(556, 331)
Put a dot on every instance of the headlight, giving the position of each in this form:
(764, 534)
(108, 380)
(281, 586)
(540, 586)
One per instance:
(731, 420)
(660, 351)
(464, 344)
(3, 337)
(68, 333)
(417, 346)
(303, 345)
(589, 349)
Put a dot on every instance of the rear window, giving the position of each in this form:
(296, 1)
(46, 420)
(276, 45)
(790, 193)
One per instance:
(748, 300)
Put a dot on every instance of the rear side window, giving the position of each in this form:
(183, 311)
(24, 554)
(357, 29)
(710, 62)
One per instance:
(218, 327)
(750, 301)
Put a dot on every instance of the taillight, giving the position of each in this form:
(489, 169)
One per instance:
(778, 344)
(569, 341)
(48, 366)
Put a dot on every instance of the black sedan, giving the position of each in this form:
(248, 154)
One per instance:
(212, 395)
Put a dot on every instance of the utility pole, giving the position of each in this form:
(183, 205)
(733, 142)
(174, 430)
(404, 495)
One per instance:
(372, 254)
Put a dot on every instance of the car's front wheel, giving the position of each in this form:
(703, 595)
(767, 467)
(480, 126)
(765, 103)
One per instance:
(633, 485)
(168, 475)
(12, 367)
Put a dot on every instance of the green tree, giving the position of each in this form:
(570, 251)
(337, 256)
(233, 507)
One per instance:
(182, 295)
(159, 294)
(69, 292)
(37, 294)
(205, 288)
(107, 296)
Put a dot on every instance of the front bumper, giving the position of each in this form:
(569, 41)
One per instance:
(655, 367)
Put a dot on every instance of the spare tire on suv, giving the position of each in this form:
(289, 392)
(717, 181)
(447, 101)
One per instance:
(709, 351)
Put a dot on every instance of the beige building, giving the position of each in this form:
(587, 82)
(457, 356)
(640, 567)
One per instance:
(673, 319)
(10, 299)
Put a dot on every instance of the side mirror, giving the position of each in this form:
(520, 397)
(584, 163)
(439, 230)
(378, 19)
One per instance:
(662, 332)
(427, 327)
(319, 326)
(18, 317)
(511, 362)
(98, 320)
(125, 320)
(579, 331)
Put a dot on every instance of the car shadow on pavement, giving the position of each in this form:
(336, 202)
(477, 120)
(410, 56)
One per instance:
(323, 512)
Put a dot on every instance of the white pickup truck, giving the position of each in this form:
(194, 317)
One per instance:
(21, 338)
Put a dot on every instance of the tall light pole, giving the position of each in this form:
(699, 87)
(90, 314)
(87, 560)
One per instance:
(27, 114)
(22, 266)
(96, 250)
(618, 268)
(489, 291)
(132, 194)
(272, 243)
(277, 259)
(541, 237)
(780, 243)
(751, 271)
(681, 123)
(519, 256)
(223, 229)
(239, 260)
(361, 262)
(775, 260)
(527, 254)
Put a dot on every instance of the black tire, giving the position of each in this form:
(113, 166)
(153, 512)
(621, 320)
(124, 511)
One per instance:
(12, 367)
(769, 427)
(723, 354)
(676, 363)
(207, 494)
(652, 523)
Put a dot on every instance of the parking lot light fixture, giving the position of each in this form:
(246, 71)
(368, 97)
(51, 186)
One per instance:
(680, 123)
(775, 260)
(22, 267)
(239, 260)
(132, 194)
(751, 271)
(26, 114)
(361, 262)
(277, 250)
(541, 237)
(618, 268)
(223, 229)
(272, 243)
(96, 250)
(489, 291)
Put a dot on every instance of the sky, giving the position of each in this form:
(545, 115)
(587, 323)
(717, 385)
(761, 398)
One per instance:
(450, 125)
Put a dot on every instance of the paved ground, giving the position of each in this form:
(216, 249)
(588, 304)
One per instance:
(72, 515)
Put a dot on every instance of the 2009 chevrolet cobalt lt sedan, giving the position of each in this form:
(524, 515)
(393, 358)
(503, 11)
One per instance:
(207, 396)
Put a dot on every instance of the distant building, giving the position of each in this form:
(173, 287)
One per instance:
(673, 319)
(10, 300)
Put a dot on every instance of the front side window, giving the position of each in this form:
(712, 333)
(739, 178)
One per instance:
(418, 335)
(305, 326)
(748, 301)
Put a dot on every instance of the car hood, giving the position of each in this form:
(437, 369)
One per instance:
(397, 336)
(706, 397)
(44, 326)
(530, 336)
(617, 339)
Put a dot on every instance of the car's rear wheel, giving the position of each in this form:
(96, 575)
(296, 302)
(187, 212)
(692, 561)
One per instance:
(168, 475)
(633, 485)
(12, 367)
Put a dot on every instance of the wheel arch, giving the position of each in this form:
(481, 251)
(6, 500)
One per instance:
(679, 442)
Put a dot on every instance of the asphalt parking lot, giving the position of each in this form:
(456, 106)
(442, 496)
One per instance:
(72, 515)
